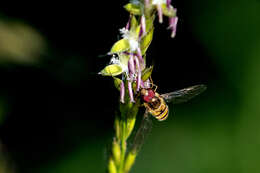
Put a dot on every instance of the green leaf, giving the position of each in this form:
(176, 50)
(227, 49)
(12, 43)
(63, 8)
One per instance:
(120, 46)
(170, 12)
(135, 27)
(133, 8)
(149, 22)
(116, 152)
(146, 41)
(111, 70)
(146, 73)
(134, 22)
(144, 58)
(117, 82)
(137, 30)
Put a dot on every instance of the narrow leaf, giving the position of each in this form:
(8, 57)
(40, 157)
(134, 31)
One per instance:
(146, 73)
(146, 41)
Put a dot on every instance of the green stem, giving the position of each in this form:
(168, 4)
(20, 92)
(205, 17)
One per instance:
(123, 148)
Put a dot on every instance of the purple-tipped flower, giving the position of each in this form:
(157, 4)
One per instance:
(142, 84)
(128, 25)
(173, 25)
(130, 91)
(160, 14)
(138, 73)
(143, 27)
(131, 65)
(146, 3)
(122, 92)
(141, 60)
(168, 3)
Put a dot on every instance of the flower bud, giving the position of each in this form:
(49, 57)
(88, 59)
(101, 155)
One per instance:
(117, 128)
(130, 91)
(143, 27)
(130, 126)
(173, 25)
(111, 166)
(116, 152)
(168, 3)
(130, 159)
(160, 14)
(131, 65)
(140, 58)
(138, 74)
(122, 92)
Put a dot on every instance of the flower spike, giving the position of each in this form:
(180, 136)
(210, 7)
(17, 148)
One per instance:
(129, 62)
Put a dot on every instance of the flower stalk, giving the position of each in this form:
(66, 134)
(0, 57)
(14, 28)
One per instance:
(129, 62)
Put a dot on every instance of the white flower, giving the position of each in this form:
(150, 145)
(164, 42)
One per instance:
(132, 38)
(121, 60)
(158, 2)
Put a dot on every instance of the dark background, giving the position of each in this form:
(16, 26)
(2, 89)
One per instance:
(56, 113)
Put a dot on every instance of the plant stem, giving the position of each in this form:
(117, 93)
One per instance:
(123, 148)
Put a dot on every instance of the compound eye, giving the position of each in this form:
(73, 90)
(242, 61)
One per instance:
(144, 92)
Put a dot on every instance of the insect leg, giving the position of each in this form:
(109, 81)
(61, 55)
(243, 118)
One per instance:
(153, 85)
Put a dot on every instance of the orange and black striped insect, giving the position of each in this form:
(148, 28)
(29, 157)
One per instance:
(155, 103)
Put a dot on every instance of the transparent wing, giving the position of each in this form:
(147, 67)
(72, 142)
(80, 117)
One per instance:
(184, 95)
(142, 132)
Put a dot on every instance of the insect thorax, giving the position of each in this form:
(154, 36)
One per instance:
(147, 95)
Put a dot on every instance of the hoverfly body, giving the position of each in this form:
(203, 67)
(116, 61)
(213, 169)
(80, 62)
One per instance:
(156, 105)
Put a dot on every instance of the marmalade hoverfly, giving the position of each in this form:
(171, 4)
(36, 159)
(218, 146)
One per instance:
(156, 105)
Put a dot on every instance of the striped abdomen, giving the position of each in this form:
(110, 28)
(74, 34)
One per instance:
(157, 107)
